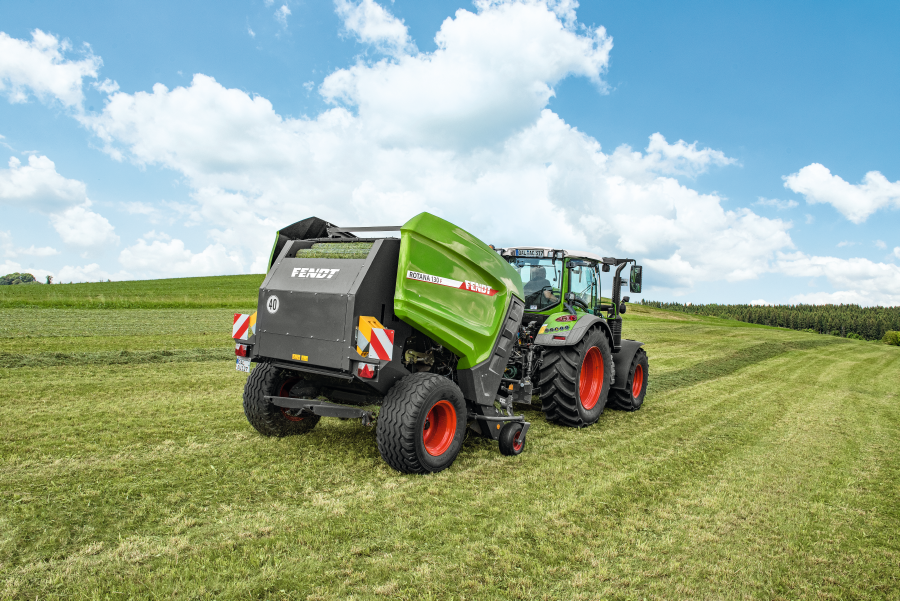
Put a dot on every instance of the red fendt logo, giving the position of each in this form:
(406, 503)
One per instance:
(436, 279)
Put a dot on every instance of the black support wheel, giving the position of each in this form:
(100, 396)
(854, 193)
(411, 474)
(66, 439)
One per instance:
(575, 380)
(632, 397)
(268, 380)
(511, 440)
(421, 424)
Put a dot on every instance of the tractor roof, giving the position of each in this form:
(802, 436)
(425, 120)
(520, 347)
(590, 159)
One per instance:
(514, 251)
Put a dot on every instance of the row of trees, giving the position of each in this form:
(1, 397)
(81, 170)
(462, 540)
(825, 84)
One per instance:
(869, 323)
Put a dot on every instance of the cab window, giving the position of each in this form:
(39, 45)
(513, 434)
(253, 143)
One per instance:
(583, 284)
(541, 281)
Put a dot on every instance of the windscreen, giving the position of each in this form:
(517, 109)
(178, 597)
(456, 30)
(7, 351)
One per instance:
(541, 280)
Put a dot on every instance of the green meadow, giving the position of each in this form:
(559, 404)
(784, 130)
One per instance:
(765, 464)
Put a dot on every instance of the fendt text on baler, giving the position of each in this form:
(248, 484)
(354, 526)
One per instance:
(432, 334)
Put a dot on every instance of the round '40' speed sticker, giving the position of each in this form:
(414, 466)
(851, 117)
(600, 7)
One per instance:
(272, 304)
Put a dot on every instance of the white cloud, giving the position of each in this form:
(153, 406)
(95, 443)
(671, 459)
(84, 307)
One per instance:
(845, 243)
(38, 186)
(856, 280)
(855, 202)
(371, 24)
(251, 32)
(83, 228)
(172, 259)
(491, 76)
(282, 14)
(809, 219)
(7, 267)
(897, 251)
(10, 251)
(88, 273)
(781, 205)
(759, 302)
(41, 67)
(107, 86)
(480, 145)
(880, 244)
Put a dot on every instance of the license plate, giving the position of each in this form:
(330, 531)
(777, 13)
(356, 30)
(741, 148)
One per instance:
(529, 253)
(242, 364)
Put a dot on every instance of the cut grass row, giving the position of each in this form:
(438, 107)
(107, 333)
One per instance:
(763, 465)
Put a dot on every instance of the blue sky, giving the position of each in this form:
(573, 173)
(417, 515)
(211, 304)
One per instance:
(773, 171)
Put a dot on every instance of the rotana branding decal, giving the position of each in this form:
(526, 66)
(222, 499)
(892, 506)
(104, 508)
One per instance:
(313, 272)
(466, 285)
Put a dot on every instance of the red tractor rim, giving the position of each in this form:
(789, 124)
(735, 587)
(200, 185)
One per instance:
(439, 428)
(285, 390)
(590, 383)
(517, 441)
(637, 383)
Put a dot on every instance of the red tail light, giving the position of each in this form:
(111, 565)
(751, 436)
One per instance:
(364, 370)
(559, 338)
(241, 350)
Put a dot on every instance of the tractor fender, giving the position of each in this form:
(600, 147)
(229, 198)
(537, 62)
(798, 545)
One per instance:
(576, 333)
(622, 360)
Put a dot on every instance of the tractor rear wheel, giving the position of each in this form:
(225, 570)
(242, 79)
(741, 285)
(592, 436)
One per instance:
(575, 380)
(632, 397)
(268, 380)
(421, 424)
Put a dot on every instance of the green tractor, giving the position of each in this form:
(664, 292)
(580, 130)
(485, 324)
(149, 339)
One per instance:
(443, 332)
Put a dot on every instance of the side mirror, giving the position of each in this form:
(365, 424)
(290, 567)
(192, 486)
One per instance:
(634, 284)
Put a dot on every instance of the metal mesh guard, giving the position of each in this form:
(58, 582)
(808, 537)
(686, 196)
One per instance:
(336, 250)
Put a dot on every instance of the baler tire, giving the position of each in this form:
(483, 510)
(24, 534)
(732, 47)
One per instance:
(561, 381)
(401, 432)
(511, 441)
(269, 420)
(627, 400)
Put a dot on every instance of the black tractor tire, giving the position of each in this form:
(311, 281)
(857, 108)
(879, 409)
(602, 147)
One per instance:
(575, 380)
(269, 420)
(632, 397)
(422, 424)
(511, 440)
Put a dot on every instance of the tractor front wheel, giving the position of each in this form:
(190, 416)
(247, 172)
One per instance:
(575, 380)
(421, 424)
(268, 380)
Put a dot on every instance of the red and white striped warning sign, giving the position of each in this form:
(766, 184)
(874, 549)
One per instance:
(240, 327)
(381, 344)
(465, 285)
(373, 339)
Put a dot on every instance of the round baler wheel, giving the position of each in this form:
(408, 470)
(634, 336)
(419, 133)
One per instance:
(511, 440)
(268, 380)
(575, 380)
(421, 424)
(632, 397)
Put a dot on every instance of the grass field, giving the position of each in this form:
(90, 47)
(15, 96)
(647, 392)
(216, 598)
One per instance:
(763, 465)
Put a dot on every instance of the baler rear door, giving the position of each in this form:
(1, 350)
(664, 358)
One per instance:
(303, 314)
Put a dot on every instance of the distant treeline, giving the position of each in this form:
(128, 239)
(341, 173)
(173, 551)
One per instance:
(853, 321)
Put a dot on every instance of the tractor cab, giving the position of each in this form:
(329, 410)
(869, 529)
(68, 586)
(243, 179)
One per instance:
(553, 278)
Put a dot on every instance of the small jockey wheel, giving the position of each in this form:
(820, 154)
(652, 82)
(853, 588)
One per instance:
(512, 438)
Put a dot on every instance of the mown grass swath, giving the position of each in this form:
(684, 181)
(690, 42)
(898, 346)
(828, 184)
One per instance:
(869, 323)
(762, 465)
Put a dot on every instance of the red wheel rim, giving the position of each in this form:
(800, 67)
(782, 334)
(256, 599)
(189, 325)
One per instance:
(590, 383)
(439, 428)
(638, 382)
(517, 441)
(285, 390)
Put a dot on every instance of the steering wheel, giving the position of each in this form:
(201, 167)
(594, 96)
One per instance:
(580, 303)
